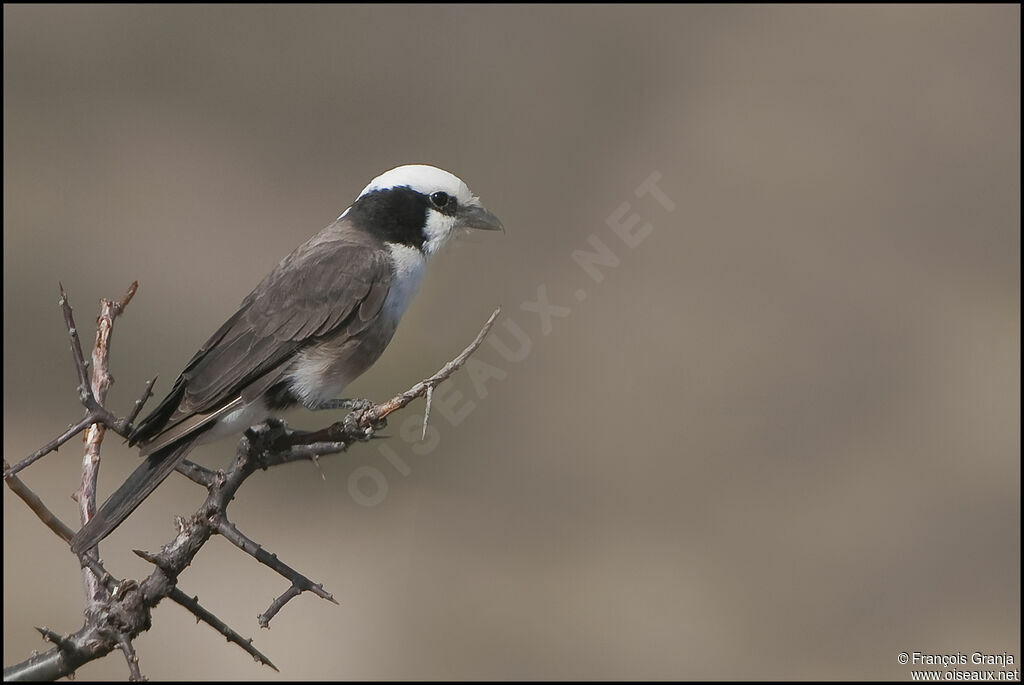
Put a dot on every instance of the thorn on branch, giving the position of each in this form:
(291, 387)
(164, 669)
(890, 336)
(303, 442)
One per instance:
(155, 559)
(426, 412)
(61, 641)
(315, 458)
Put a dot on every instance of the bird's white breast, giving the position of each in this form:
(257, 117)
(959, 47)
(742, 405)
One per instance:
(409, 264)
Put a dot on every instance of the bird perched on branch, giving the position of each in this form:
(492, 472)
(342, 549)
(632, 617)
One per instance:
(320, 319)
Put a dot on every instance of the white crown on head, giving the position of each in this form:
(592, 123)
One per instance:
(420, 177)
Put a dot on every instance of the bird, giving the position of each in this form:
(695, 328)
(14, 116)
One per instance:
(315, 323)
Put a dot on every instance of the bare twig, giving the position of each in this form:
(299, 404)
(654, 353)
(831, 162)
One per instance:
(99, 385)
(61, 529)
(315, 450)
(378, 412)
(134, 413)
(51, 665)
(96, 413)
(34, 503)
(93, 564)
(288, 595)
(81, 366)
(52, 446)
(123, 302)
(196, 473)
(125, 612)
(134, 672)
(201, 614)
(300, 583)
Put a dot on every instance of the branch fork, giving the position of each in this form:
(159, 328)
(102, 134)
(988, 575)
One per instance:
(118, 611)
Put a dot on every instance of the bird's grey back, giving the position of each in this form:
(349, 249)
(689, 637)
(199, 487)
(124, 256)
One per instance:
(328, 291)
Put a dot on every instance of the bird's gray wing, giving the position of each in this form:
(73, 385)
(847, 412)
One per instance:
(334, 284)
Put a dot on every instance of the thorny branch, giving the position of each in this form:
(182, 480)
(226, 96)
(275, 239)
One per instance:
(99, 385)
(117, 611)
(95, 412)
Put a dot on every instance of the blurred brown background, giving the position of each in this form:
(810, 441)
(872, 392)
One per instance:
(779, 440)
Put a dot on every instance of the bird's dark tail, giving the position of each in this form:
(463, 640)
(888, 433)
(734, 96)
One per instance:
(123, 502)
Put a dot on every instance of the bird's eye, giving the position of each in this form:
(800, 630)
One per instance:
(439, 199)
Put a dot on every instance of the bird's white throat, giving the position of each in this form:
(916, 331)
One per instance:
(410, 265)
